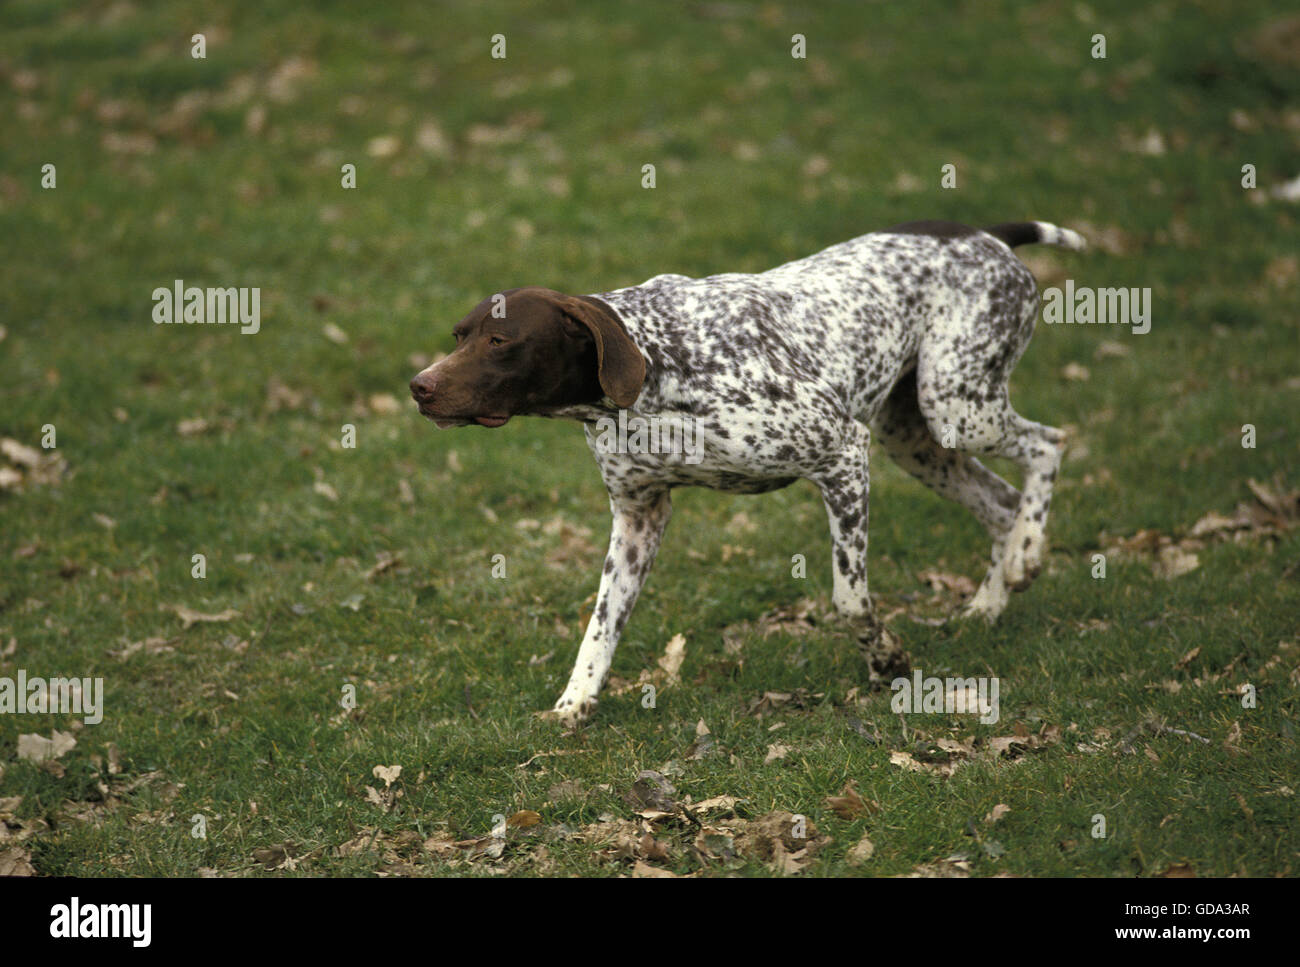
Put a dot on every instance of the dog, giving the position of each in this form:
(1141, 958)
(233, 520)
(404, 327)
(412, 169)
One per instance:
(912, 331)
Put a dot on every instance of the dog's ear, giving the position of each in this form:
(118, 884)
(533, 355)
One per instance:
(620, 365)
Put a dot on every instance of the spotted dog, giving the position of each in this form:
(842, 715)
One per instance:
(912, 331)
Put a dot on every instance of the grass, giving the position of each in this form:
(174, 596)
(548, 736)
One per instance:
(226, 171)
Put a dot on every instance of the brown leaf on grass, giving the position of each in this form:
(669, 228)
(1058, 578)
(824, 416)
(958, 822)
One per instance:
(672, 658)
(642, 869)
(384, 561)
(652, 792)
(195, 427)
(524, 818)
(769, 702)
(776, 751)
(389, 774)
(904, 760)
(1178, 871)
(1232, 742)
(16, 861)
(384, 800)
(441, 844)
(785, 844)
(575, 547)
(1275, 510)
(717, 843)
(617, 839)
(1188, 658)
(1174, 561)
(565, 790)
(29, 465)
(996, 813)
(653, 849)
(279, 396)
(703, 746)
(849, 804)
(666, 675)
(714, 804)
(859, 854)
(383, 404)
(940, 581)
(20, 454)
(553, 752)
(279, 857)
(954, 866)
(190, 617)
(797, 619)
(37, 748)
(150, 646)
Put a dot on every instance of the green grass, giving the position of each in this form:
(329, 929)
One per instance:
(254, 738)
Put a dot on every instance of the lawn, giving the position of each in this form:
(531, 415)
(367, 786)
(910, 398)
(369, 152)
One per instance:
(344, 619)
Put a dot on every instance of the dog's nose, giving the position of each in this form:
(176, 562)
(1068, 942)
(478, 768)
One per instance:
(423, 386)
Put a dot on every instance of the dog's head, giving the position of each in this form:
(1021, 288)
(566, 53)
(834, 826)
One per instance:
(526, 351)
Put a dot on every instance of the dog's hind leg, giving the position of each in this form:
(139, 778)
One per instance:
(961, 382)
(902, 430)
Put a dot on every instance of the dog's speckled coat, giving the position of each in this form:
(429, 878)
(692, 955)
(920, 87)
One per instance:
(912, 331)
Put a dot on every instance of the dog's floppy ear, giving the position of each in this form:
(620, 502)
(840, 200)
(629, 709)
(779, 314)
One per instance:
(620, 365)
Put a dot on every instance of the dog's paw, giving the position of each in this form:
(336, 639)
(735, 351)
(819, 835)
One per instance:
(986, 605)
(882, 650)
(1023, 558)
(570, 712)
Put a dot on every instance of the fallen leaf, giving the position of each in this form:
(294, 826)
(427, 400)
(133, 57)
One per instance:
(849, 804)
(775, 752)
(16, 861)
(388, 774)
(997, 812)
(190, 617)
(37, 748)
(860, 853)
(672, 658)
(644, 869)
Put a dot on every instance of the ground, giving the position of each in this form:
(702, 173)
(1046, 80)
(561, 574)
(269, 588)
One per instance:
(1146, 717)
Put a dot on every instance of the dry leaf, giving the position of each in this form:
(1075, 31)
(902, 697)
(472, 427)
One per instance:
(387, 773)
(672, 658)
(16, 861)
(189, 616)
(997, 812)
(776, 751)
(860, 853)
(849, 805)
(37, 748)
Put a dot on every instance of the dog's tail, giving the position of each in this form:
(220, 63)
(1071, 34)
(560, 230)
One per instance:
(1037, 233)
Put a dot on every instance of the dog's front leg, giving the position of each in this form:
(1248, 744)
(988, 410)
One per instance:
(639, 524)
(845, 487)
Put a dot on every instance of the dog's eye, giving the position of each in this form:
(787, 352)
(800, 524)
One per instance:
(496, 341)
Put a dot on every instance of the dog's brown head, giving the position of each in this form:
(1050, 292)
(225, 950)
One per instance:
(529, 350)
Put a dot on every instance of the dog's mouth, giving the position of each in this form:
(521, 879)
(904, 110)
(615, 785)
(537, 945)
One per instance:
(445, 422)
